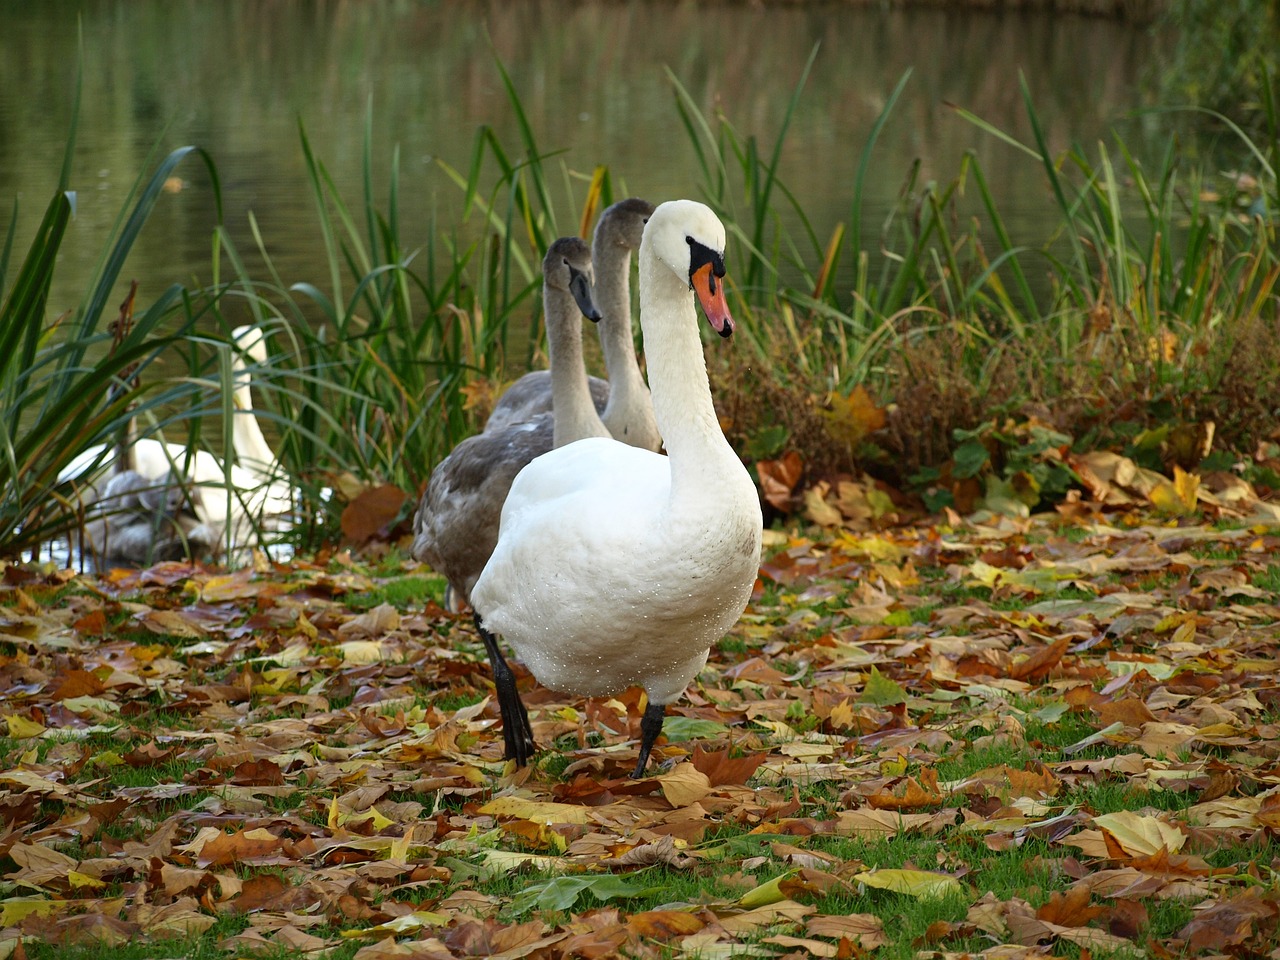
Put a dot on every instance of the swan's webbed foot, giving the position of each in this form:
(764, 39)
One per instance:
(650, 727)
(517, 735)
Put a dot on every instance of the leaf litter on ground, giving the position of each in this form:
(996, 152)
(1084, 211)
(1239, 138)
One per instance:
(1002, 739)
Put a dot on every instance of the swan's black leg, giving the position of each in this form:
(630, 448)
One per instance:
(650, 727)
(516, 732)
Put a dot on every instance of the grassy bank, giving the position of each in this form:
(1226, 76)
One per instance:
(983, 740)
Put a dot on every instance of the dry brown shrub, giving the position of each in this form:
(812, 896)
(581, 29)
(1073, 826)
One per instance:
(1114, 382)
(751, 398)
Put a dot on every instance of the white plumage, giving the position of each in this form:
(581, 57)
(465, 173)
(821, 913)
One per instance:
(617, 566)
(170, 500)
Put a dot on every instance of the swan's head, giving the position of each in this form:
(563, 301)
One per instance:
(689, 238)
(567, 267)
(251, 341)
(622, 224)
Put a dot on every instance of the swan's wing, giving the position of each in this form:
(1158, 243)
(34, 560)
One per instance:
(530, 397)
(594, 469)
(568, 512)
(525, 399)
(456, 525)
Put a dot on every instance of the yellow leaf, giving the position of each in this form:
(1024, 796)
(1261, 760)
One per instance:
(13, 910)
(20, 728)
(399, 849)
(537, 810)
(850, 419)
(1187, 485)
(510, 860)
(400, 925)
(293, 655)
(1140, 835)
(877, 548)
(234, 586)
(841, 715)
(769, 915)
(78, 879)
(361, 651)
(879, 824)
(684, 785)
(914, 883)
(1179, 497)
(306, 627)
(766, 893)
(817, 509)
(894, 768)
(379, 822)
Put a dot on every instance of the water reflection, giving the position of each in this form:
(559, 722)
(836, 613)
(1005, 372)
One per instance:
(237, 78)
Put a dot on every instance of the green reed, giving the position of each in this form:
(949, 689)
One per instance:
(64, 387)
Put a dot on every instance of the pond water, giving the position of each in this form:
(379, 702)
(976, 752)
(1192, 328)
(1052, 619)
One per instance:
(236, 79)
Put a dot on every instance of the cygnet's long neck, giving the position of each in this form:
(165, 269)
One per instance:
(575, 415)
(700, 455)
(629, 404)
(252, 451)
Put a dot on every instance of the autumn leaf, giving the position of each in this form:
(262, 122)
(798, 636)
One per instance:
(778, 479)
(563, 893)
(882, 691)
(684, 785)
(371, 512)
(316, 747)
(1139, 835)
(541, 811)
(851, 419)
(914, 883)
(1179, 497)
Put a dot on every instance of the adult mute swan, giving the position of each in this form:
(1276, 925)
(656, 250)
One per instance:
(165, 499)
(615, 565)
(456, 525)
(623, 401)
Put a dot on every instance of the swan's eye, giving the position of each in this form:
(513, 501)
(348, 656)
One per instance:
(689, 241)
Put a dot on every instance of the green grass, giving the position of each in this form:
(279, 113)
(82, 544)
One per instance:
(205, 947)
(402, 593)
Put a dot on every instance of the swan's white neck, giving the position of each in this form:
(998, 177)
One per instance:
(575, 415)
(251, 448)
(682, 403)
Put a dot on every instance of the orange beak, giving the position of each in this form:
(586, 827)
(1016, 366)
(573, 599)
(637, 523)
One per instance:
(710, 291)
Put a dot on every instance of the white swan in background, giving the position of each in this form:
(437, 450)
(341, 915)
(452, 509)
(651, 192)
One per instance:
(623, 401)
(168, 500)
(456, 525)
(615, 565)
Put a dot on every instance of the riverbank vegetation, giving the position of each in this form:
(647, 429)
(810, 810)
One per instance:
(930, 356)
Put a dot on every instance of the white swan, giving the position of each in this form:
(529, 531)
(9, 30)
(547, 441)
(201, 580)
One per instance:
(456, 525)
(623, 401)
(617, 566)
(169, 499)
